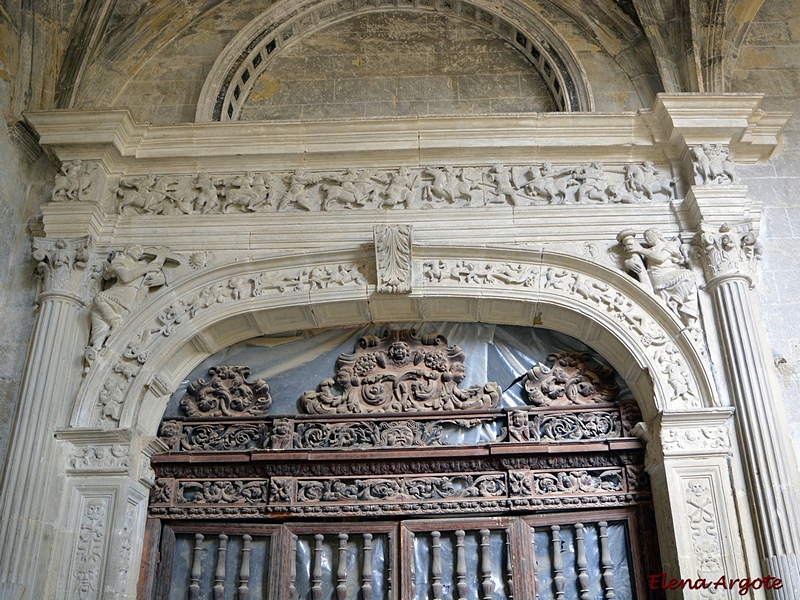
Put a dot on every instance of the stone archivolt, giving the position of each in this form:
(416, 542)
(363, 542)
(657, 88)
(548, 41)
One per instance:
(668, 360)
(422, 187)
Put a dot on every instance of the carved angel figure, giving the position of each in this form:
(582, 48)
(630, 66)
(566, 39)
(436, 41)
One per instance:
(659, 264)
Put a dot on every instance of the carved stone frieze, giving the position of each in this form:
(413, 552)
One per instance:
(393, 258)
(728, 252)
(695, 439)
(88, 556)
(660, 265)
(400, 372)
(571, 380)
(67, 267)
(227, 393)
(112, 457)
(712, 164)
(423, 187)
(77, 181)
(480, 272)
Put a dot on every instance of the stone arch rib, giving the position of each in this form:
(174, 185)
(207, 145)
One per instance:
(230, 81)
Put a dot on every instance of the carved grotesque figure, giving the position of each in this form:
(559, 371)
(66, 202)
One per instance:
(133, 272)
(659, 264)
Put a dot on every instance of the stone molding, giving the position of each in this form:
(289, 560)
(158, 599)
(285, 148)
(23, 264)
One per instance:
(691, 433)
(676, 121)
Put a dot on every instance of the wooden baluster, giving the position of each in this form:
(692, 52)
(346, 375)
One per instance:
(244, 572)
(580, 561)
(606, 563)
(461, 566)
(316, 573)
(366, 568)
(486, 566)
(219, 573)
(292, 567)
(436, 565)
(509, 574)
(341, 568)
(197, 566)
(558, 565)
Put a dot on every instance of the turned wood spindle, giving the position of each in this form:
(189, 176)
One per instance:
(558, 564)
(366, 568)
(486, 566)
(197, 567)
(219, 572)
(580, 562)
(606, 563)
(244, 572)
(461, 566)
(316, 573)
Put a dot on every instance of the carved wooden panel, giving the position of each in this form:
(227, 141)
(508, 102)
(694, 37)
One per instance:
(400, 372)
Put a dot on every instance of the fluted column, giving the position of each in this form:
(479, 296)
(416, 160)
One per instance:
(30, 498)
(729, 255)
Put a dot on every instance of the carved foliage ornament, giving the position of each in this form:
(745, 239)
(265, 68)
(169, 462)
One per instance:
(729, 251)
(571, 380)
(424, 187)
(67, 267)
(393, 258)
(227, 394)
(400, 372)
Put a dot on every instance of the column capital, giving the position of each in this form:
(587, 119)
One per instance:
(728, 252)
(68, 268)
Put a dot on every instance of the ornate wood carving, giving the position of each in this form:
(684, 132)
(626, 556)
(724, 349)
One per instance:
(228, 394)
(571, 380)
(400, 372)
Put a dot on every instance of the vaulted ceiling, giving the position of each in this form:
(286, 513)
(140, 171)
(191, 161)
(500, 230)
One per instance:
(174, 60)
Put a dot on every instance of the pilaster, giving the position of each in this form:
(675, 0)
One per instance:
(687, 459)
(31, 492)
(729, 255)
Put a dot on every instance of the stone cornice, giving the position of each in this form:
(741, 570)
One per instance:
(125, 146)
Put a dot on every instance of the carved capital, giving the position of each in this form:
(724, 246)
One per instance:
(78, 181)
(686, 434)
(68, 268)
(728, 252)
(393, 258)
(102, 458)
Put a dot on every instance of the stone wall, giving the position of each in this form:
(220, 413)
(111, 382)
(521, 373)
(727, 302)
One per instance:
(769, 62)
(26, 183)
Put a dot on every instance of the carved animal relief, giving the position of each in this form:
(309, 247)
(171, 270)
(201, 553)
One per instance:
(424, 187)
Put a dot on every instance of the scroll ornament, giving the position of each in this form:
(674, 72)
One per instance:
(571, 380)
(400, 372)
(227, 394)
